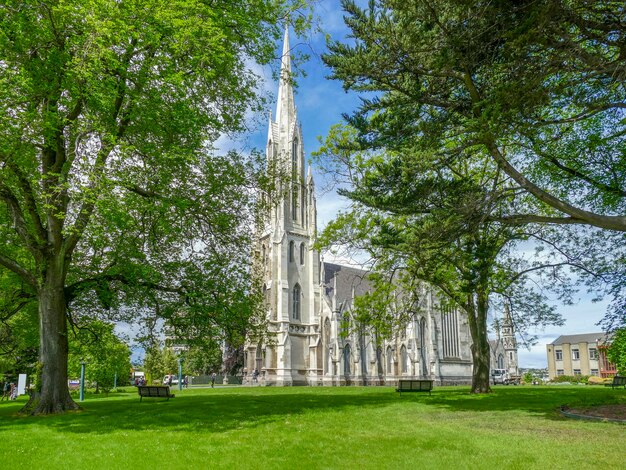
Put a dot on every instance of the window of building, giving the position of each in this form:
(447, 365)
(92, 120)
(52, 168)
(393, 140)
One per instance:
(405, 359)
(291, 251)
(593, 354)
(558, 353)
(595, 372)
(295, 302)
(302, 249)
(449, 332)
(575, 354)
(389, 361)
(346, 360)
(294, 157)
(560, 372)
(577, 372)
(294, 203)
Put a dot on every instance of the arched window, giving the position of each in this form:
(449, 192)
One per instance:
(294, 203)
(389, 361)
(379, 360)
(404, 357)
(423, 348)
(346, 360)
(295, 302)
(291, 251)
(294, 157)
(302, 248)
(500, 364)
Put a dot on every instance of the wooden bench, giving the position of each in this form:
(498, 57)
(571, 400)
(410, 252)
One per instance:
(154, 391)
(618, 381)
(414, 385)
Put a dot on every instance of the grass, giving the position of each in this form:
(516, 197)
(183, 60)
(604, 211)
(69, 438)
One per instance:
(349, 427)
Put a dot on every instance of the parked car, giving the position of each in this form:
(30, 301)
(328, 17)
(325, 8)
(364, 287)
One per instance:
(166, 380)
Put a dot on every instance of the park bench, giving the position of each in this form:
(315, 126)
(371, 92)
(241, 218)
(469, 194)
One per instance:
(618, 381)
(154, 391)
(414, 385)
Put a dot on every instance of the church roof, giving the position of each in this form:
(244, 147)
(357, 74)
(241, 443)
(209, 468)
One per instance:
(581, 338)
(346, 279)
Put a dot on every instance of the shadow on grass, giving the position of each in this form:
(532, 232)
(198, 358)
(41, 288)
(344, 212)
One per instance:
(228, 409)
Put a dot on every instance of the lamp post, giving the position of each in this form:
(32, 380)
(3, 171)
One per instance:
(180, 373)
(115, 381)
(82, 380)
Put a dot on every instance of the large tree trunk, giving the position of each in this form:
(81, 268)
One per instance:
(480, 343)
(53, 394)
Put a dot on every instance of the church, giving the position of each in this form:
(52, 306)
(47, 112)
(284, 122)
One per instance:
(308, 300)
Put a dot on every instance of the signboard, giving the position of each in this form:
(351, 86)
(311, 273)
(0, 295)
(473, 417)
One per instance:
(21, 384)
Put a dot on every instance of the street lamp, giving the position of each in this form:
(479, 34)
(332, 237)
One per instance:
(82, 379)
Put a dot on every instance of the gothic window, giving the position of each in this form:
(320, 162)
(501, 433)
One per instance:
(303, 195)
(423, 347)
(404, 359)
(302, 248)
(389, 361)
(294, 157)
(379, 360)
(266, 295)
(295, 302)
(449, 332)
(294, 203)
(500, 364)
(291, 251)
(346, 360)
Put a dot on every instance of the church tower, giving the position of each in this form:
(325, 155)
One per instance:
(509, 342)
(290, 265)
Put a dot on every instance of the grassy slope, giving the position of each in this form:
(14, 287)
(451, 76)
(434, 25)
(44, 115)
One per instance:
(515, 427)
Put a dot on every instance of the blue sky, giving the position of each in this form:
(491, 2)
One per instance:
(320, 104)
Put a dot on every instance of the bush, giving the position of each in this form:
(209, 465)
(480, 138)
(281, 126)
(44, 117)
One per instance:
(575, 379)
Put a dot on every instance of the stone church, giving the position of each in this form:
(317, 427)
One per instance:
(307, 299)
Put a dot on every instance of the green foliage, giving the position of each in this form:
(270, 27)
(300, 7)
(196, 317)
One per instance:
(536, 86)
(574, 379)
(113, 202)
(159, 362)
(203, 359)
(616, 353)
(103, 352)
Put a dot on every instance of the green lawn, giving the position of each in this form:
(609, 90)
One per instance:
(301, 427)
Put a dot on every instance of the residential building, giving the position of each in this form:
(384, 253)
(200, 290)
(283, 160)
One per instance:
(581, 354)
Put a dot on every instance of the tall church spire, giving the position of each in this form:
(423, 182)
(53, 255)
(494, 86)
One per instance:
(286, 108)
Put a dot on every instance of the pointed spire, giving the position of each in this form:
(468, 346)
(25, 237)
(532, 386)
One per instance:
(286, 109)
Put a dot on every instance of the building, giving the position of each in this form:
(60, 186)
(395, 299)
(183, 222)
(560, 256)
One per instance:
(583, 354)
(504, 347)
(309, 301)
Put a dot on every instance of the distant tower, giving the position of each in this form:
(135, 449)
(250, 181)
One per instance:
(509, 342)
(290, 265)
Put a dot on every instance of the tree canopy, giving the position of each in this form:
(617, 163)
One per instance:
(538, 86)
(112, 198)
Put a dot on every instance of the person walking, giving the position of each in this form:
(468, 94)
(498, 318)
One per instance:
(213, 375)
(6, 391)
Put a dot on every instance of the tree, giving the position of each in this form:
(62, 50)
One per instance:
(105, 355)
(536, 86)
(616, 353)
(434, 221)
(112, 199)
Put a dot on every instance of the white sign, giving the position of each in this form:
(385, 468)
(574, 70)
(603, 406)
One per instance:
(21, 384)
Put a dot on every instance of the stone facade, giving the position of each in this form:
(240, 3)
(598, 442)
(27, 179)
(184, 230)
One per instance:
(307, 299)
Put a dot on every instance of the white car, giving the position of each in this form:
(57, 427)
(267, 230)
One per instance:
(166, 380)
